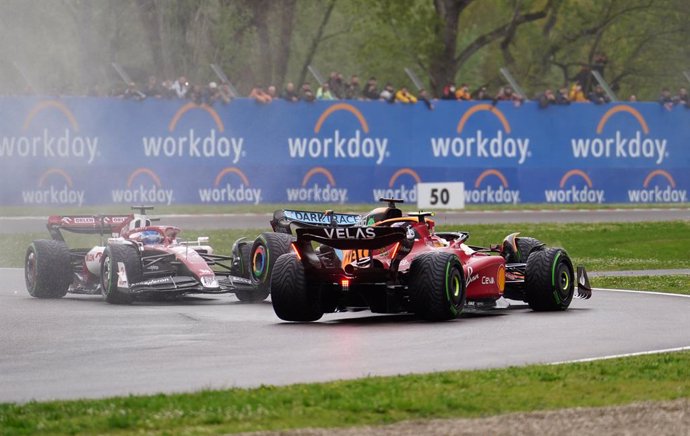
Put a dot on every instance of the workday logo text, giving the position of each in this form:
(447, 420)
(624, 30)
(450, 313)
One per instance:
(55, 187)
(339, 145)
(317, 192)
(142, 193)
(481, 144)
(228, 192)
(51, 142)
(658, 187)
(192, 144)
(400, 190)
(488, 193)
(638, 145)
(570, 191)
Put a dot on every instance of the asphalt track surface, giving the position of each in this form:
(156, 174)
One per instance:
(82, 347)
(258, 221)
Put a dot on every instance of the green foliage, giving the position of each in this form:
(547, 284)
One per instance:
(67, 46)
(368, 401)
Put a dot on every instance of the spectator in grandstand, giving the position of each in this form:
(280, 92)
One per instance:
(632, 98)
(212, 94)
(306, 93)
(404, 96)
(290, 93)
(261, 96)
(584, 78)
(352, 88)
(546, 98)
(598, 95)
(463, 92)
(180, 87)
(481, 94)
(195, 94)
(371, 90)
(335, 83)
(153, 89)
(324, 92)
(562, 96)
(448, 92)
(132, 93)
(576, 94)
(167, 89)
(682, 97)
(272, 92)
(423, 96)
(506, 93)
(388, 93)
(665, 99)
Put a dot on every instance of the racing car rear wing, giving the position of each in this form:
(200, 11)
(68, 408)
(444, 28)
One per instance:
(352, 238)
(282, 219)
(86, 224)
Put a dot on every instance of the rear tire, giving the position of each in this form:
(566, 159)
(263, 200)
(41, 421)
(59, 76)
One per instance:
(266, 250)
(47, 269)
(112, 257)
(292, 300)
(525, 247)
(437, 286)
(549, 280)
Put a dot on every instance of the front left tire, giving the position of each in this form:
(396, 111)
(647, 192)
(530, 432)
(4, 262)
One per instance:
(114, 256)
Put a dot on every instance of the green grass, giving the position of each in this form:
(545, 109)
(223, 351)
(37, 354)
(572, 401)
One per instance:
(600, 246)
(369, 401)
(674, 284)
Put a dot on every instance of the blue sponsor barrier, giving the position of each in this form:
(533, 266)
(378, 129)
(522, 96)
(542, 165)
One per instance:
(95, 151)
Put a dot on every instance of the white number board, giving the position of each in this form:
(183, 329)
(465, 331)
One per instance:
(447, 195)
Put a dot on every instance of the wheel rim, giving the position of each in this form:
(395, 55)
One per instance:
(106, 272)
(259, 262)
(30, 270)
(454, 289)
(563, 280)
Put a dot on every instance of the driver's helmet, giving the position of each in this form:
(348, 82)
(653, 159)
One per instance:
(149, 237)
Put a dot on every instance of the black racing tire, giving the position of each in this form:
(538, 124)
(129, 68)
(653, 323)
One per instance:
(47, 269)
(266, 250)
(112, 256)
(525, 246)
(292, 299)
(549, 280)
(244, 270)
(437, 286)
(242, 261)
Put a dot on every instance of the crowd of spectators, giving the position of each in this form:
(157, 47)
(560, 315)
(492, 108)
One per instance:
(336, 87)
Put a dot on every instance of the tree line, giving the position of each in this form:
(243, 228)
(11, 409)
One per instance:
(68, 47)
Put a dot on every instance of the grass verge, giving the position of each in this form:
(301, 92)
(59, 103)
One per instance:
(369, 401)
(598, 246)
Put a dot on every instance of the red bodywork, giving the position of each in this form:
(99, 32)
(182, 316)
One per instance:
(484, 273)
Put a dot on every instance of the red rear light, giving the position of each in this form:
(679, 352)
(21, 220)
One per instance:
(345, 284)
(294, 248)
(395, 250)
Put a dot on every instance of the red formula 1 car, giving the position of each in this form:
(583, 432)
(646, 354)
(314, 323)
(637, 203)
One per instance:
(392, 263)
(133, 259)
